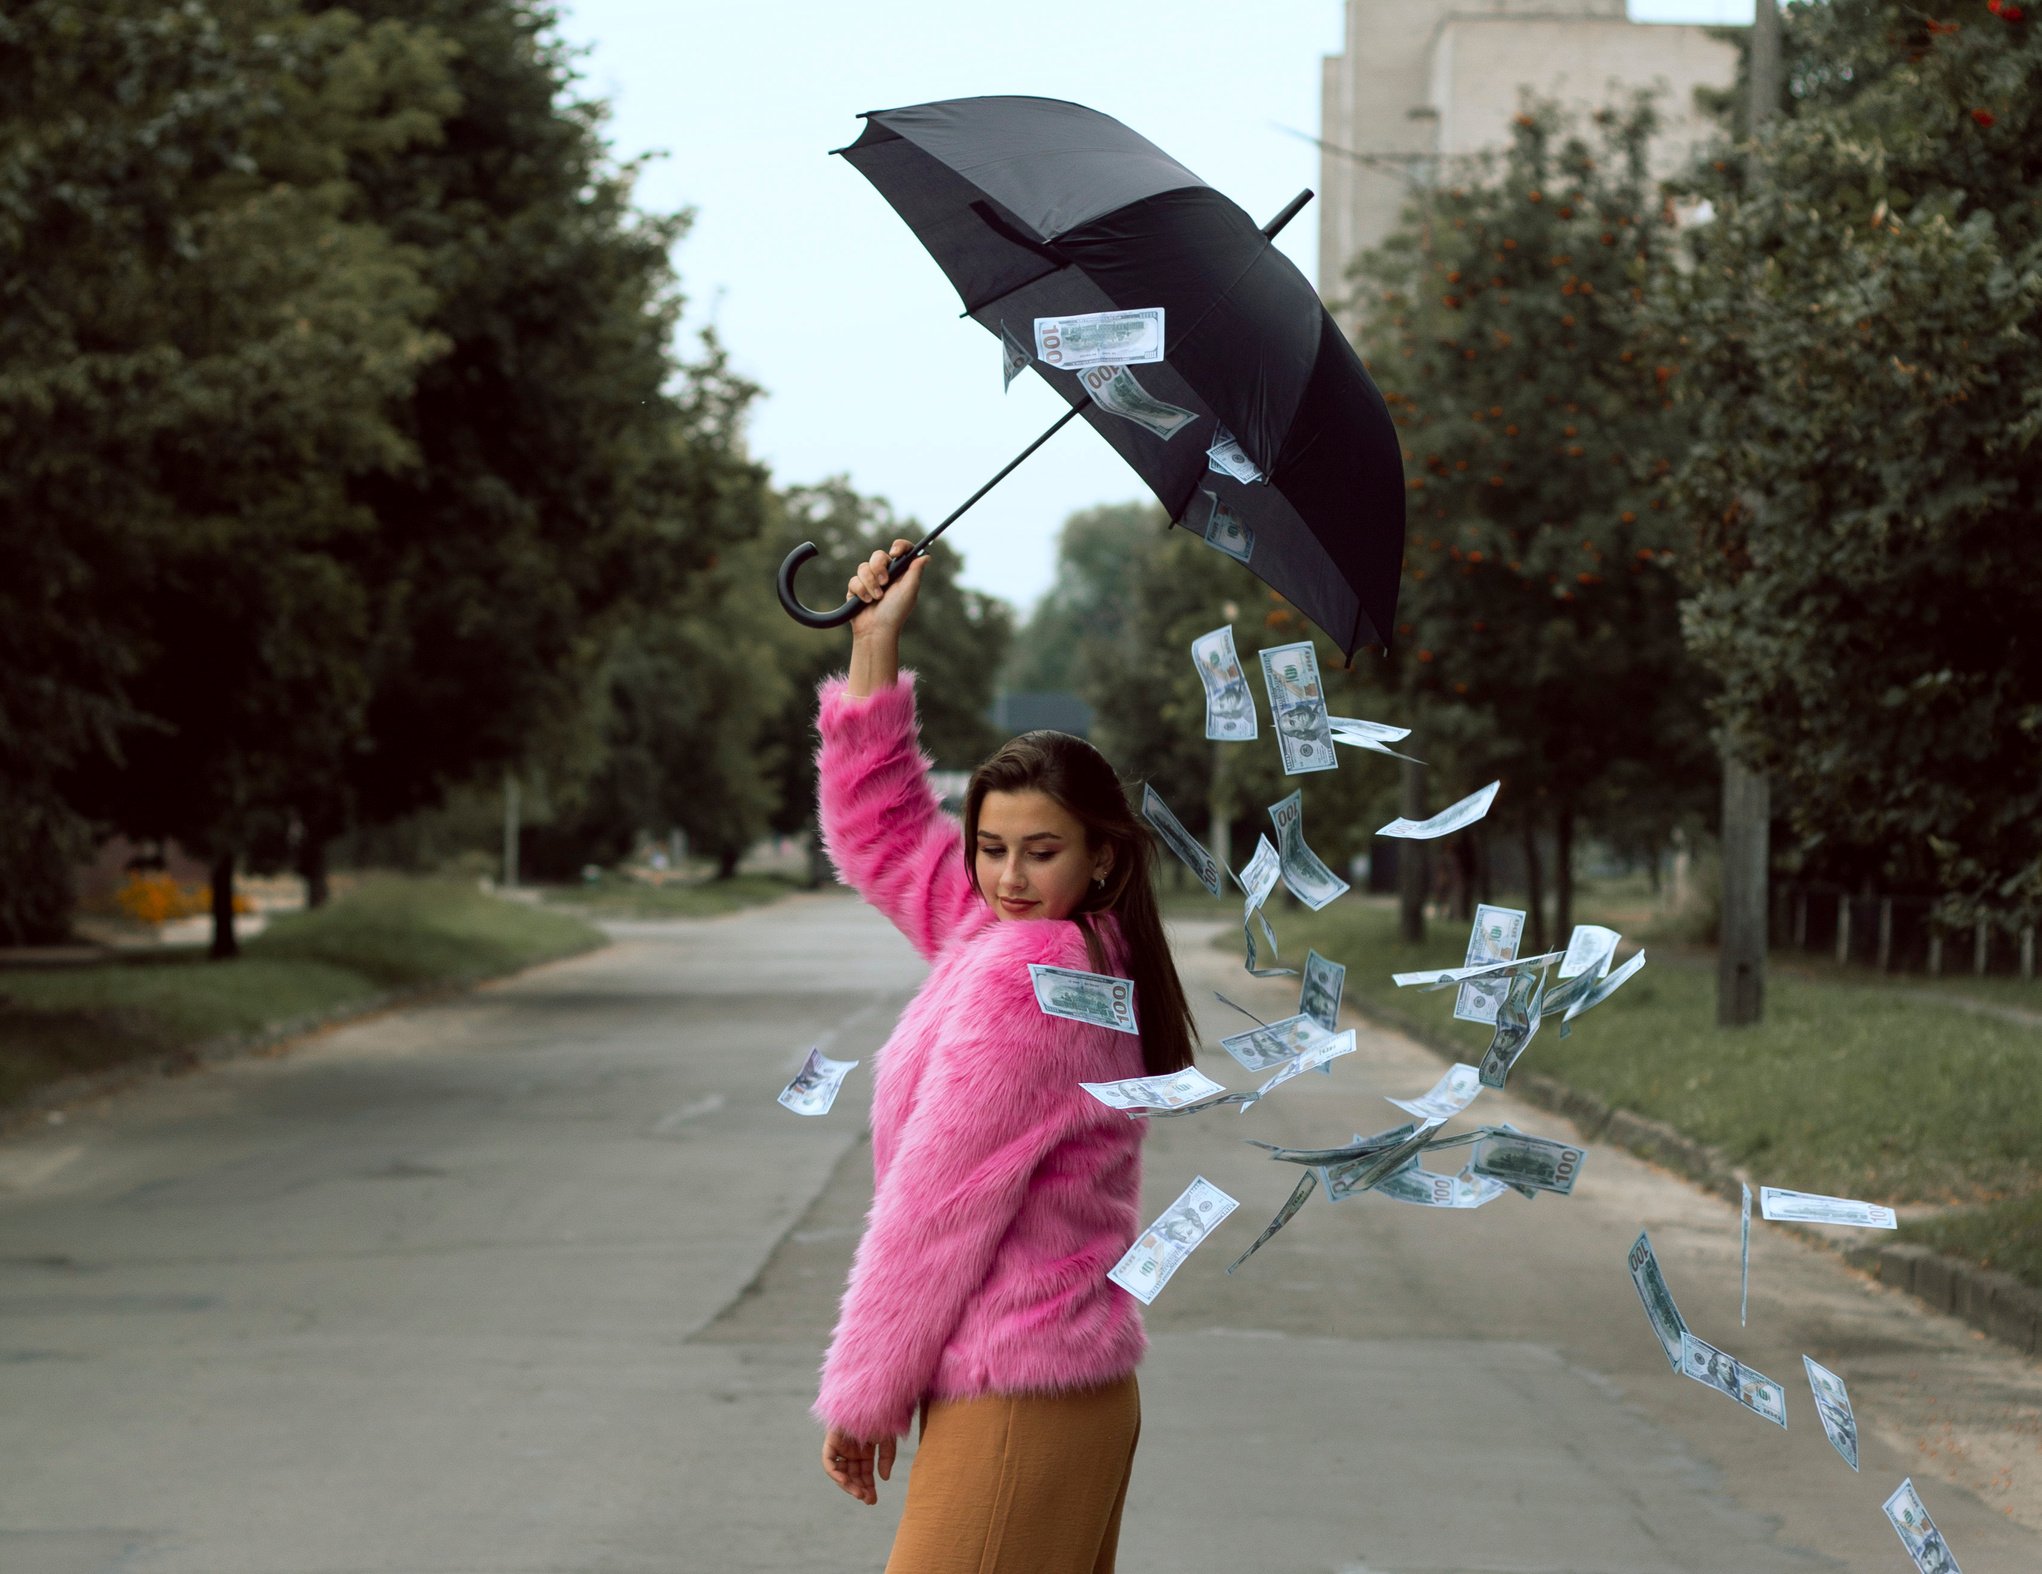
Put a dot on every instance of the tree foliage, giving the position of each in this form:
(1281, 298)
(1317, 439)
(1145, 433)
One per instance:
(1088, 604)
(342, 438)
(199, 341)
(1538, 633)
(1857, 335)
(569, 472)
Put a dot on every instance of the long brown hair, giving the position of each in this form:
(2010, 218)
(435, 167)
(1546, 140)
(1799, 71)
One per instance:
(1077, 776)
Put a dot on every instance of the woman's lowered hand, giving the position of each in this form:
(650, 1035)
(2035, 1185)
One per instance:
(850, 1461)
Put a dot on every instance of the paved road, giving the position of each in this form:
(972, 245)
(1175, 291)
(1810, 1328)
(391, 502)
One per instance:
(536, 1279)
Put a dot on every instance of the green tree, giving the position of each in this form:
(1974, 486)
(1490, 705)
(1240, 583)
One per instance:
(1856, 338)
(1538, 635)
(1097, 549)
(199, 342)
(686, 712)
(570, 473)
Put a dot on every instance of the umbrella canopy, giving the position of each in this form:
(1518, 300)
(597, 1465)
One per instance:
(1034, 207)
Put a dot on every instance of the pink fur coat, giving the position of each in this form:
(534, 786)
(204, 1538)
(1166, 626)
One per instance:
(1003, 1191)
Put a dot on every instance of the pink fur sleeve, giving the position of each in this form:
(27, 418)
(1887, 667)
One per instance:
(890, 841)
(997, 1102)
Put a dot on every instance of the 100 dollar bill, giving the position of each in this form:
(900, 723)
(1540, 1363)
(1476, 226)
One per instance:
(1720, 1370)
(1261, 1048)
(1097, 998)
(1100, 338)
(1227, 456)
(1807, 1207)
(1833, 1409)
(1454, 817)
(1114, 388)
(1428, 1189)
(1226, 531)
(1319, 996)
(1229, 707)
(1167, 1092)
(1517, 1023)
(1668, 1326)
(1537, 1162)
(1180, 841)
(1918, 1532)
(1451, 1094)
(1493, 937)
(1161, 1249)
(1297, 708)
(1317, 1057)
(1303, 870)
(815, 1085)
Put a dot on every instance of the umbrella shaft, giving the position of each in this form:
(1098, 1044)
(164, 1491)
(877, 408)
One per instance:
(1005, 470)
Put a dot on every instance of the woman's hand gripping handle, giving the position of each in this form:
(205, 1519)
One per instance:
(875, 629)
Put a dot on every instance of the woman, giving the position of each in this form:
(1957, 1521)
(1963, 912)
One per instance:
(1003, 1191)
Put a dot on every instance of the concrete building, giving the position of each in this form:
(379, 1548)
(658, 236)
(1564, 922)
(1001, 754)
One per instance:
(1422, 82)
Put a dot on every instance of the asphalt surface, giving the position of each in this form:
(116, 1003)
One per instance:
(536, 1279)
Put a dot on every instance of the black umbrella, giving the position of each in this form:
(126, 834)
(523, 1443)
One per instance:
(1039, 208)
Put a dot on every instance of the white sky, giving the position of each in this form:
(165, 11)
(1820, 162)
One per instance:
(824, 297)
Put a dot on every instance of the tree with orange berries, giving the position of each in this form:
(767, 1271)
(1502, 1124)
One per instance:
(1538, 627)
(1857, 332)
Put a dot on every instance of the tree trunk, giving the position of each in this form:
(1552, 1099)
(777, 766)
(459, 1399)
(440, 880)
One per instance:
(1411, 857)
(1464, 878)
(1484, 889)
(1218, 840)
(727, 862)
(513, 831)
(1741, 947)
(1563, 873)
(312, 868)
(1534, 886)
(225, 946)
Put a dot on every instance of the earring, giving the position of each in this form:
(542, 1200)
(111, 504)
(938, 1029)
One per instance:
(1099, 882)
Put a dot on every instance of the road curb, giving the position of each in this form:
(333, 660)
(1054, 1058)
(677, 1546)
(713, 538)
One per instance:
(1995, 1303)
(35, 1108)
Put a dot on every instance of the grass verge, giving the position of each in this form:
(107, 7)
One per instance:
(389, 934)
(2006, 1235)
(1844, 1088)
(623, 898)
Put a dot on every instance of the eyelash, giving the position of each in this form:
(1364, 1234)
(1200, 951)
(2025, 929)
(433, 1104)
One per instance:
(995, 852)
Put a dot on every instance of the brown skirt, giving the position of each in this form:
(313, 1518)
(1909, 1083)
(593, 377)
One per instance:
(1020, 1483)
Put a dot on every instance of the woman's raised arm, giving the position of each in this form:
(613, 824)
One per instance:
(875, 631)
(880, 820)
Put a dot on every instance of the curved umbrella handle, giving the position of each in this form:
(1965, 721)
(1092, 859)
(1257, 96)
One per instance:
(789, 567)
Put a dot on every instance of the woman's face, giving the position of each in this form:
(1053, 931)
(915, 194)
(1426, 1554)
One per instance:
(1031, 858)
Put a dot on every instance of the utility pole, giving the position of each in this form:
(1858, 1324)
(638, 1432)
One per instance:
(1765, 80)
(1747, 794)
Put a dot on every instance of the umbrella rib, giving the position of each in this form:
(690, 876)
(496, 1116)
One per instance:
(975, 308)
(990, 217)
